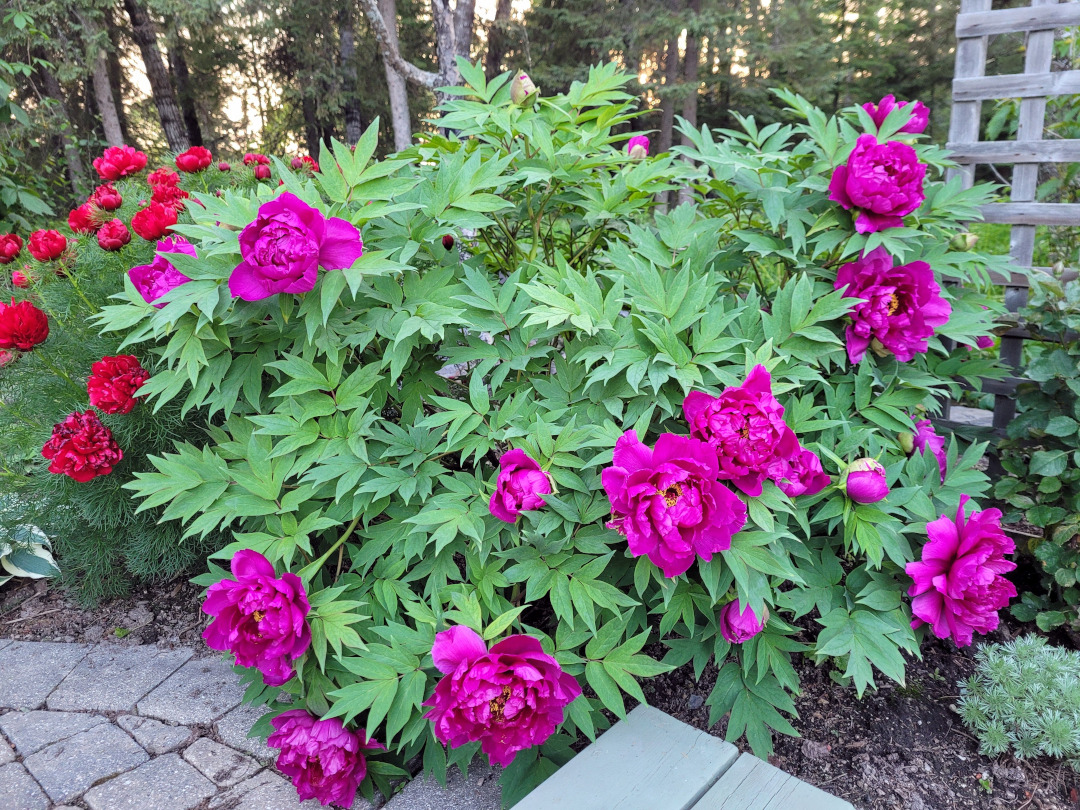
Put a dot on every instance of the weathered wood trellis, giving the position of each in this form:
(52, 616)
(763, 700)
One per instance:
(975, 24)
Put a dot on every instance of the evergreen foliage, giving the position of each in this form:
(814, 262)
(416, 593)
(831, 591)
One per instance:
(1025, 697)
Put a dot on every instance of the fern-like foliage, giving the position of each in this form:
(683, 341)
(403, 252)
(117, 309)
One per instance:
(1025, 696)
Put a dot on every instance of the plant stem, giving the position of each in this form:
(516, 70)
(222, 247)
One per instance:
(309, 569)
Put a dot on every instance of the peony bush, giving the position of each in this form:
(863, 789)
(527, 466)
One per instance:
(499, 432)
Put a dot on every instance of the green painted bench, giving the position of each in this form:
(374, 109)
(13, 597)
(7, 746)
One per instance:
(651, 761)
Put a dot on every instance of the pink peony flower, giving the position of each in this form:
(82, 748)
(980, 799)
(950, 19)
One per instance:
(259, 618)
(739, 624)
(638, 146)
(925, 437)
(157, 278)
(668, 501)
(865, 481)
(901, 307)
(883, 180)
(746, 427)
(119, 161)
(323, 758)
(508, 698)
(959, 583)
(800, 474)
(520, 486)
(283, 248)
(920, 113)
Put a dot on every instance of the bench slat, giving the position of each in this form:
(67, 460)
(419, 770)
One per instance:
(650, 761)
(753, 784)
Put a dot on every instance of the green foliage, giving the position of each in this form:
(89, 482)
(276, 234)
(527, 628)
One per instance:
(356, 428)
(25, 551)
(1025, 697)
(1042, 453)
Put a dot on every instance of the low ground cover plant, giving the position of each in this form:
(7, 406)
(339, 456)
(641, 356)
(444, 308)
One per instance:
(497, 428)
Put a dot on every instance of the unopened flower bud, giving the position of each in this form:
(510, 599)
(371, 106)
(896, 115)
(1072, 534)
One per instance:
(296, 163)
(865, 482)
(907, 442)
(963, 241)
(262, 172)
(224, 167)
(521, 88)
(638, 147)
(448, 241)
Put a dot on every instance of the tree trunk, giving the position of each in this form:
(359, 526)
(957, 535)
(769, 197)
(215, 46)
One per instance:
(354, 123)
(99, 77)
(690, 67)
(497, 39)
(311, 126)
(388, 46)
(667, 100)
(178, 66)
(117, 77)
(464, 16)
(75, 168)
(172, 121)
(395, 82)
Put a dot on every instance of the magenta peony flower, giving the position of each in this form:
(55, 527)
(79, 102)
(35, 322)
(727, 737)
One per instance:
(739, 624)
(746, 427)
(323, 758)
(520, 486)
(920, 113)
(800, 474)
(259, 618)
(959, 583)
(283, 248)
(901, 307)
(508, 698)
(668, 501)
(865, 481)
(883, 180)
(157, 278)
(925, 437)
(638, 146)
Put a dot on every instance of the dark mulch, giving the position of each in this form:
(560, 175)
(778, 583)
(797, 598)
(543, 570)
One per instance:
(899, 748)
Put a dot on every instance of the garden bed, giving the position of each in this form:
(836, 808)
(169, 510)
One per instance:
(899, 747)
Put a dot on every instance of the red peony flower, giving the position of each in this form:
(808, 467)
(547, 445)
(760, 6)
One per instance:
(163, 177)
(113, 235)
(21, 278)
(106, 197)
(47, 245)
(22, 326)
(119, 161)
(10, 246)
(305, 162)
(171, 196)
(83, 219)
(194, 159)
(254, 158)
(7, 357)
(82, 448)
(113, 383)
(223, 166)
(154, 221)
(262, 172)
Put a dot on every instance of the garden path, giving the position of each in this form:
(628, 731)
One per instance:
(113, 727)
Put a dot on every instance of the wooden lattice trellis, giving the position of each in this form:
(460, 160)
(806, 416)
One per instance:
(975, 24)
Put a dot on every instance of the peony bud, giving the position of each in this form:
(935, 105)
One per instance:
(223, 166)
(21, 278)
(262, 172)
(638, 147)
(739, 624)
(964, 241)
(864, 481)
(448, 241)
(521, 88)
(907, 442)
(296, 163)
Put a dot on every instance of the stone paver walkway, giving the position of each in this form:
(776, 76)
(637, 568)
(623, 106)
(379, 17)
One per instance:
(114, 727)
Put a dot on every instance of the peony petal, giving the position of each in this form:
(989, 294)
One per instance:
(341, 245)
(454, 645)
(247, 563)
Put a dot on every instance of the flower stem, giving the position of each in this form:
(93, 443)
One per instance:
(309, 570)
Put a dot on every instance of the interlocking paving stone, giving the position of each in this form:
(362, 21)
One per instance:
(18, 791)
(233, 730)
(153, 735)
(219, 763)
(66, 769)
(113, 678)
(40, 665)
(4, 642)
(265, 791)
(32, 731)
(165, 783)
(199, 692)
(7, 753)
(479, 791)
